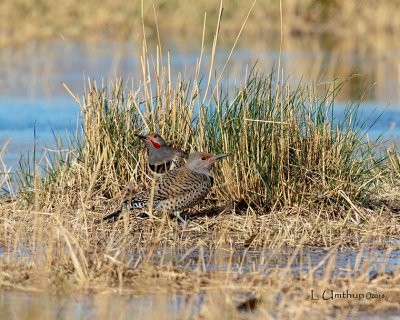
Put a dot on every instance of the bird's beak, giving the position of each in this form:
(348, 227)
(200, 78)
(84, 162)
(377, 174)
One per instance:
(140, 136)
(219, 156)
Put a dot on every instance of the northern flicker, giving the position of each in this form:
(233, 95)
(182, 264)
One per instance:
(178, 189)
(161, 156)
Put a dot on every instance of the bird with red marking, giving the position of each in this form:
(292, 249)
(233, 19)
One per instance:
(161, 157)
(178, 189)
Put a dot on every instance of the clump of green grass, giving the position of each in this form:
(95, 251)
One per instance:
(291, 147)
(288, 147)
(394, 163)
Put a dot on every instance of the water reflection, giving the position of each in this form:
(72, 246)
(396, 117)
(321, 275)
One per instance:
(19, 305)
(37, 69)
(347, 262)
(306, 260)
(291, 262)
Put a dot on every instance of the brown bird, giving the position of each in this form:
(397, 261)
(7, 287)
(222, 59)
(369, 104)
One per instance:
(161, 156)
(178, 189)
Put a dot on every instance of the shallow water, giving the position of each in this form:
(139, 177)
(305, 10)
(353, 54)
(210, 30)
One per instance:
(346, 262)
(306, 260)
(22, 305)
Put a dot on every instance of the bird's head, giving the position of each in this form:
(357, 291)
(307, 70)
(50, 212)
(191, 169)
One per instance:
(203, 162)
(152, 140)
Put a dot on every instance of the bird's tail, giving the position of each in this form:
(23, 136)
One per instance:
(132, 204)
(113, 215)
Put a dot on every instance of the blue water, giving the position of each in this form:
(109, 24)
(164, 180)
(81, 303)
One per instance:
(24, 119)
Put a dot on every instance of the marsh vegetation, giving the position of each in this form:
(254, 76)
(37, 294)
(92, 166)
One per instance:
(302, 176)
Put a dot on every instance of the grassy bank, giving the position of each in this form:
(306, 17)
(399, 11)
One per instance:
(22, 21)
(301, 174)
(298, 167)
(289, 148)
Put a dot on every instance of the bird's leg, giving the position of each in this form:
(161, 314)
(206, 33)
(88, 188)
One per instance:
(178, 216)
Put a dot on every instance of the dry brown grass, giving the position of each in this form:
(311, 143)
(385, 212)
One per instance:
(59, 244)
(69, 252)
(23, 20)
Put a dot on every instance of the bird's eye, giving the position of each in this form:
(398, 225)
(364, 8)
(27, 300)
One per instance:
(203, 158)
(156, 136)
